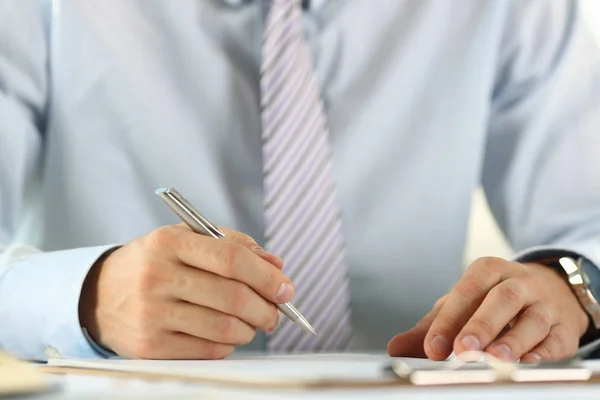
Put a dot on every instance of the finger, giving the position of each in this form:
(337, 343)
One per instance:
(531, 328)
(206, 323)
(224, 258)
(410, 343)
(463, 300)
(225, 295)
(500, 306)
(246, 241)
(178, 346)
(249, 242)
(561, 343)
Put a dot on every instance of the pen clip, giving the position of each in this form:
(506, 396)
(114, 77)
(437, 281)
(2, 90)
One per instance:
(173, 195)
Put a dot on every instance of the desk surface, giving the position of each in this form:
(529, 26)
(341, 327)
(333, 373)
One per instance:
(91, 387)
(120, 386)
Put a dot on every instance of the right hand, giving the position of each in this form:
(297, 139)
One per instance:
(176, 294)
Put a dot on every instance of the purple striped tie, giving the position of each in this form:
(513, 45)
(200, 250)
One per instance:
(303, 223)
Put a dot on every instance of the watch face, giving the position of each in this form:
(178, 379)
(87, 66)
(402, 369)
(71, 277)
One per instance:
(593, 274)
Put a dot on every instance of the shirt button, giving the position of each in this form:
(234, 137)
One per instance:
(51, 352)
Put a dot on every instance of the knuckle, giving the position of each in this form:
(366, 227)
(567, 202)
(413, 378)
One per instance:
(149, 277)
(445, 322)
(243, 238)
(510, 292)
(470, 290)
(227, 328)
(486, 263)
(533, 280)
(238, 296)
(519, 269)
(228, 260)
(541, 318)
(484, 328)
(162, 238)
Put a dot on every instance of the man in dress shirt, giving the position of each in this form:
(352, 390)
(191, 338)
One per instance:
(101, 102)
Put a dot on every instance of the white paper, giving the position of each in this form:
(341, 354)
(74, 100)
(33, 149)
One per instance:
(291, 369)
(592, 365)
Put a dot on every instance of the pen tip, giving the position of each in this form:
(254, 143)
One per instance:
(308, 327)
(160, 191)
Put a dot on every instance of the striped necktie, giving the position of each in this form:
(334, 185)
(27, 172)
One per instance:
(302, 216)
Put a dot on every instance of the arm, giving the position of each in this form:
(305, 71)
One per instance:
(169, 294)
(542, 179)
(542, 164)
(542, 170)
(39, 292)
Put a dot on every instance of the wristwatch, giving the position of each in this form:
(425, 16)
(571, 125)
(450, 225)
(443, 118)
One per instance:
(578, 271)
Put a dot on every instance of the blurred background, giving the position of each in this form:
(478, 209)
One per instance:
(485, 239)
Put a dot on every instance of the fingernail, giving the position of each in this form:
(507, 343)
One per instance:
(263, 253)
(285, 293)
(440, 344)
(471, 343)
(276, 324)
(502, 351)
(536, 357)
(260, 251)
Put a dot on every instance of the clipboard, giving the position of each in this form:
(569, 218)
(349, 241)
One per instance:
(482, 368)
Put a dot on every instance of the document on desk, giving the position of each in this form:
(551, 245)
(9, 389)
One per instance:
(326, 370)
(303, 370)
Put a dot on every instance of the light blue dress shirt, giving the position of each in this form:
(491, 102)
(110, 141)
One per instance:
(103, 101)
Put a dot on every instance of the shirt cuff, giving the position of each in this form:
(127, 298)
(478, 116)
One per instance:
(39, 302)
(589, 249)
(97, 348)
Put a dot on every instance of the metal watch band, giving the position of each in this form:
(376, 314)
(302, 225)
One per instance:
(580, 283)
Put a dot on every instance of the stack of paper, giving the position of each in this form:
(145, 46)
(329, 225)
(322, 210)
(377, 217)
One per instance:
(322, 370)
(309, 370)
(17, 377)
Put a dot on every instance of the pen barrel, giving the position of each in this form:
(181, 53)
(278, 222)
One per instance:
(296, 317)
(187, 213)
(289, 311)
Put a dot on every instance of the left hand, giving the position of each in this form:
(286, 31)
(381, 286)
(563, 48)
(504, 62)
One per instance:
(510, 310)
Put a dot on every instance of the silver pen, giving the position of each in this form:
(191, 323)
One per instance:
(200, 224)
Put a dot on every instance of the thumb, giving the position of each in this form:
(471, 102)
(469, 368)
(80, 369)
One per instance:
(411, 342)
